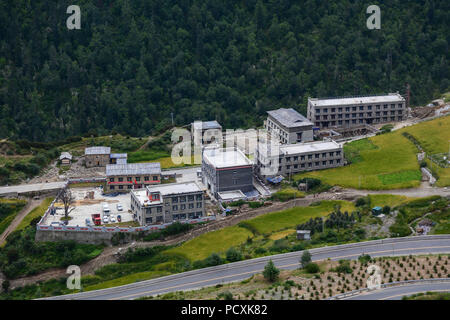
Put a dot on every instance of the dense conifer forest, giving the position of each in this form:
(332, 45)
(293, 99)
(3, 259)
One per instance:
(135, 62)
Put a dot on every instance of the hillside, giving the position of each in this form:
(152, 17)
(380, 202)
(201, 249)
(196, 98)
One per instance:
(133, 63)
(389, 161)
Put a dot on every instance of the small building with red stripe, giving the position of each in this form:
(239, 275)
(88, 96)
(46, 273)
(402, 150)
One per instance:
(128, 176)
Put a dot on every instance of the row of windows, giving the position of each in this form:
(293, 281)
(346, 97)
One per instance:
(188, 198)
(361, 121)
(361, 108)
(183, 206)
(310, 165)
(361, 115)
(130, 179)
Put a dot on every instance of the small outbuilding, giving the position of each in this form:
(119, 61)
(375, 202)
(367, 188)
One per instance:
(303, 234)
(65, 158)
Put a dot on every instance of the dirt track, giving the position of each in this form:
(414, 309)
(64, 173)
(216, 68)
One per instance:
(18, 219)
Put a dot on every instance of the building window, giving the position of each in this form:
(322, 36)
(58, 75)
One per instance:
(138, 178)
(155, 178)
(146, 178)
(129, 187)
(191, 198)
(174, 199)
(120, 179)
(175, 208)
(199, 204)
(183, 207)
(199, 197)
(191, 206)
(129, 179)
(158, 209)
(120, 187)
(111, 187)
(183, 199)
(111, 179)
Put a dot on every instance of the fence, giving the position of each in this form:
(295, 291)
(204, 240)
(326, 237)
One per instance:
(387, 285)
(86, 180)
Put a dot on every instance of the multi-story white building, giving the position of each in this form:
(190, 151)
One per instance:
(356, 111)
(289, 126)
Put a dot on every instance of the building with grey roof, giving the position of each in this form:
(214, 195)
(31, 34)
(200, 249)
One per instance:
(356, 111)
(128, 176)
(294, 158)
(226, 169)
(118, 158)
(206, 131)
(167, 203)
(96, 156)
(289, 126)
(65, 158)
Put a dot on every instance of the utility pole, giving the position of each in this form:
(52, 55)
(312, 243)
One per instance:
(171, 115)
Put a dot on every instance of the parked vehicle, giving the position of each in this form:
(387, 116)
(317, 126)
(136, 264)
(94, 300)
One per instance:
(55, 224)
(112, 218)
(119, 207)
(105, 219)
(119, 218)
(106, 209)
(96, 218)
(88, 222)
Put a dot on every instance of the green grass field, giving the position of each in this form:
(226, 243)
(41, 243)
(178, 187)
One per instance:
(219, 241)
(390, 200)
(36, 212)
(216, 241)
(9, 208)
(290, 218)
(388, 161)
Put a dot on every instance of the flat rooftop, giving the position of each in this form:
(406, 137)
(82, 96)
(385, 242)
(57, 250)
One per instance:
(97, 150)
(225, 157)
(165, 190)
(133, 169)
(391, 97)
(231, 195)
(289, 118)
(119, 155)
(309, 147)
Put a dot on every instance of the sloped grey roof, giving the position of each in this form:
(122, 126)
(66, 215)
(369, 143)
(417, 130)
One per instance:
(97, 150)
(289, 117)
(133, 169)
(207, 125)
(65, 155)
(118, 155)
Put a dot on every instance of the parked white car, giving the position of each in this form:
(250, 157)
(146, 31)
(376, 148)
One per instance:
(105, 219)
(112, 218)
(119, 207)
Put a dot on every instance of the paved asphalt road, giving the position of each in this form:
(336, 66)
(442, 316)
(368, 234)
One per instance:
(396, 293)
(23, 188)
(244, 269)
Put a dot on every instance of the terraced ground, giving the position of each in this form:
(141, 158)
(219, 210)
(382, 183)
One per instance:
(389, 161)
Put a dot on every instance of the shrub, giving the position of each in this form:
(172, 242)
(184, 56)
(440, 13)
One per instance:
(233, 255)
(312, 267)
(270, 272)
(305, 258)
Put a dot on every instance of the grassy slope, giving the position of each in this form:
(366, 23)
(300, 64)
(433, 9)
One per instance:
(7, 219)
(36, 212)
(219, 241)
(390, 162)
(434, 137)
(390, 200)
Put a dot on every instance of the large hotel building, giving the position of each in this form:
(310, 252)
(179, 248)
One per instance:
(356, 111)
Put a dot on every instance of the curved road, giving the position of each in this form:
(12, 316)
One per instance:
(396, 293)
(241, 270)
